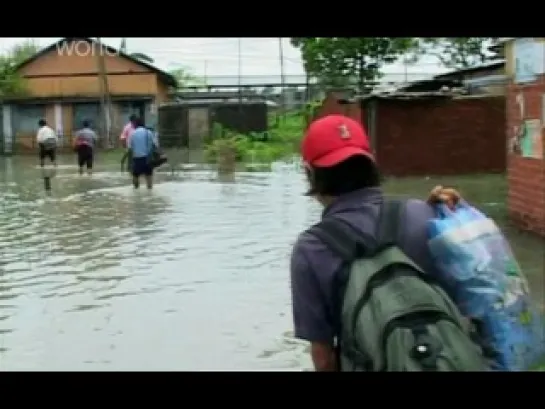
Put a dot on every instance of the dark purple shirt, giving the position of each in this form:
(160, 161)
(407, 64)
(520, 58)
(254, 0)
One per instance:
(316, 276)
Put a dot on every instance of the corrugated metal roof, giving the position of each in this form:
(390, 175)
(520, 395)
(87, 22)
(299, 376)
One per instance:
(412, 95)
(484, 66)
(504, 40)
(488, 80)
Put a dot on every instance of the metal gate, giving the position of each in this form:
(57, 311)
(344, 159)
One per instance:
(25, 125)
(126, 109)
(87, 112)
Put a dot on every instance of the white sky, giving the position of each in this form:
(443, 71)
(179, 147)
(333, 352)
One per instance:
(218, 57)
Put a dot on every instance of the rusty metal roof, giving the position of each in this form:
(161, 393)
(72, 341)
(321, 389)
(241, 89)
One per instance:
(412, 95)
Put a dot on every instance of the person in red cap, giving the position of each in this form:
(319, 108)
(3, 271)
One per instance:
(343, 176)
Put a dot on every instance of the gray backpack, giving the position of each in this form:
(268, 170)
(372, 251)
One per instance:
(394, 316)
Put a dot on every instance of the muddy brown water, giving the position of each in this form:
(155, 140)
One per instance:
(190, 276)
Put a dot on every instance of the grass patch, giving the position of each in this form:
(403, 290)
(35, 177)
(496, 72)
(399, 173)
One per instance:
(279, 143)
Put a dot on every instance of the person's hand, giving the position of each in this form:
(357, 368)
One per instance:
(448, 196)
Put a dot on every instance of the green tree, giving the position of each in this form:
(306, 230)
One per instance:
(459, 52)
(184, 77)
(11, 82)
(340, 61)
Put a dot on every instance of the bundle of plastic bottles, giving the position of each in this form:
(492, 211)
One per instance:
(480, 272)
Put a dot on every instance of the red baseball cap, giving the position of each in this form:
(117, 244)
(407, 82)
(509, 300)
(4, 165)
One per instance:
(333, 139)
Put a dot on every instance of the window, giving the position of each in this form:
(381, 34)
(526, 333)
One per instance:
(26, 118)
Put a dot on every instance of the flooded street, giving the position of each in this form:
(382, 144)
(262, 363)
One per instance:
(190, 276)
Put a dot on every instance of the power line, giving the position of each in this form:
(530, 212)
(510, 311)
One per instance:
(398, 76)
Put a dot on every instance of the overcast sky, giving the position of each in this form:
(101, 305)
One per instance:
(220, 56)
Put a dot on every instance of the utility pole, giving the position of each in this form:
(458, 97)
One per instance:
(282, 76)
(405, 63)
(104, 94)
(239, 70)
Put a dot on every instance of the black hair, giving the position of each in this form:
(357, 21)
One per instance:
(85, 123)
(133, 118)
(42, 122)
(356, 172)
(139, 121)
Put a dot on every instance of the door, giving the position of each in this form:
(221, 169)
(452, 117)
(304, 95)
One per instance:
(25, 124)
(87, 112)
(126, 109)
(198, 128)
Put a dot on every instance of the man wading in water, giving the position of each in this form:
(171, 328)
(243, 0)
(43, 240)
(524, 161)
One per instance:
(47, 143)
(85, 142)
(344, 179)
(141, 146)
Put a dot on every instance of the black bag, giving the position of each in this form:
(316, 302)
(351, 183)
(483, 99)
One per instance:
(156, 157)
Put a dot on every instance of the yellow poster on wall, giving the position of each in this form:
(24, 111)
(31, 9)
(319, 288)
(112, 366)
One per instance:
(531, 142)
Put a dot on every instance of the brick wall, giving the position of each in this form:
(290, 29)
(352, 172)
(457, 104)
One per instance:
(440, 136)
(526, 176)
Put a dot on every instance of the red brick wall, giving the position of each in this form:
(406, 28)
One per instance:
(526, 176)
(440, 136)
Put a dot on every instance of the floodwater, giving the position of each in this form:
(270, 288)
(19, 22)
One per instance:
(190, 276)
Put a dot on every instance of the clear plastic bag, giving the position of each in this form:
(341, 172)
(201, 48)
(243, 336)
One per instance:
(480, 272)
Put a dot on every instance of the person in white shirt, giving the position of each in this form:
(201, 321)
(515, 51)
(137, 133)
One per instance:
(47, 143)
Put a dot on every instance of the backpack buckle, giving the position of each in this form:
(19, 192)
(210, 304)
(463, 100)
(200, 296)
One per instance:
(426, 351)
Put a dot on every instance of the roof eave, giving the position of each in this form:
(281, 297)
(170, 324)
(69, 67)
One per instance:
(165, 77)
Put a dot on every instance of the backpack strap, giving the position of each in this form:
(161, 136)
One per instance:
(390, 219)
(341, 238)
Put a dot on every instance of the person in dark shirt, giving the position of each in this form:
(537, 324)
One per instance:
(344, 178)
(85, 142)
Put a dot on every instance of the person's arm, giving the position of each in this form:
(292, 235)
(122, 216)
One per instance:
(151, 142)
(155, 136)
(129, 141)
(310, 317)
(76, 138)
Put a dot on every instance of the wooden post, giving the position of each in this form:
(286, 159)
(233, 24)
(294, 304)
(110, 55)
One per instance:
(104, 94)
(227, 158)
(282, 78)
